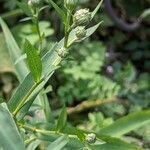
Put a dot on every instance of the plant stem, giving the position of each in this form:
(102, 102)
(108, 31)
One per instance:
(39, 34)
(44, 132)
(21, 104)
(85, 105)
(67, 29)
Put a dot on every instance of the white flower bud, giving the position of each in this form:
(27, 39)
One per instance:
(80, 32)
(82, 17)
(62, 52)
(70, 4)
(91, 138)
(33, 3)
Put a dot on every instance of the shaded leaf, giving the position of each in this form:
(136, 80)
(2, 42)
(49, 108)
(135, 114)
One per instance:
(62, 119)
(96, 9)
(58, 10)
(14, 52)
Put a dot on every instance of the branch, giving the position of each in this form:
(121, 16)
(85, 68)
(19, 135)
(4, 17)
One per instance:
(85, 105)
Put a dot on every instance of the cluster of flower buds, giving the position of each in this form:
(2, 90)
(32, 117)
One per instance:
(82, 17)
(80, 32)
(91, 138)
(70, 4)
(62, 52)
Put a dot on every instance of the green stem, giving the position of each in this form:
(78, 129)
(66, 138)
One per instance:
(44, 132)
(67, 30)
(39, 33)
(35, 20)
(24, 100)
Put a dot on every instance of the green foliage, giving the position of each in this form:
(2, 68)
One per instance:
(82, 78)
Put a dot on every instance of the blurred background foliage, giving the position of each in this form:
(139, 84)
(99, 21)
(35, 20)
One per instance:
(112, 64)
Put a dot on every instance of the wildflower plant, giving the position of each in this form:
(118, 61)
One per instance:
(26, 121)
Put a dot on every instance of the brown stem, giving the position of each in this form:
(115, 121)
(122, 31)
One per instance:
(85, 105)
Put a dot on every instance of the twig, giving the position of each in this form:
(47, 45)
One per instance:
(85, 105)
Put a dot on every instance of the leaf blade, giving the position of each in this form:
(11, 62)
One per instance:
(10, 137)
(14, 52)
(62, 120)
(127, 124)
(34, 61)
(96, 9)
(58, 144)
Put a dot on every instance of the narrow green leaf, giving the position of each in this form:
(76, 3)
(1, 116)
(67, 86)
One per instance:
(58, 10)
(59, 143)
(47, 109)
(91, 30)
(127, 124)
(10, 138)
(96, 9)
(114, 144)
(34, 60)
(14, 52)
(62, 120)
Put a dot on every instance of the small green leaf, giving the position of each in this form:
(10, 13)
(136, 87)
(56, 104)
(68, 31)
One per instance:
(62, 119)
(10, 138)
(34, 61)
(126, 124)
(58, 144)
(96, 9)
(58, 10)
(91, 30)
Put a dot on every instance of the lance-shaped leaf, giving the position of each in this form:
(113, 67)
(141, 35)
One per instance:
(127, 124)
(14, 52)
(34, 60)
(10, 138)
(113, 144)
(58, 144)
(58, 10)
(96, 9)
(62, 120)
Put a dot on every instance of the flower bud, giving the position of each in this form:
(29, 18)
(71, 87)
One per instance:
(62, 52)
(70, 4)
(33, 3)
(80, 32)
(91, 138)
(82, 17)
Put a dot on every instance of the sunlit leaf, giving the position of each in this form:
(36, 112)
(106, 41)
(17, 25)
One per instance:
(34, 60)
